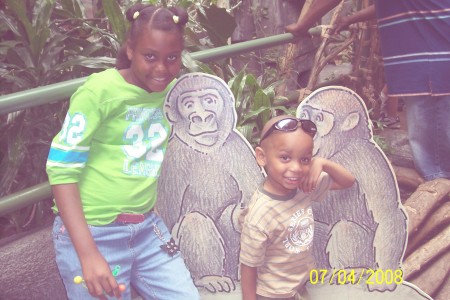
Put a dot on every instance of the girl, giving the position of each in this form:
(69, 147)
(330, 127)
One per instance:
(104, 164)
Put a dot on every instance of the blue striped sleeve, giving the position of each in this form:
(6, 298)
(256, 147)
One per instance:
(67, 156)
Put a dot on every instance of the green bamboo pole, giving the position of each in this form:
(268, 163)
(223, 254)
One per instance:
(24, 198)
(39, 96)
(63, 90)
(243, 47)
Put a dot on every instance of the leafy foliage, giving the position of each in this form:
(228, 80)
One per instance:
(43, 42)
(255, 103)
(48, 41)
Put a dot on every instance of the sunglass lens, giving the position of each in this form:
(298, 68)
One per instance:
(309, 127)
(287, 125)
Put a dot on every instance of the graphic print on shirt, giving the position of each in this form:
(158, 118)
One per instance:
(66, 153)
(300, 231)
(143, 141)
(72, 129)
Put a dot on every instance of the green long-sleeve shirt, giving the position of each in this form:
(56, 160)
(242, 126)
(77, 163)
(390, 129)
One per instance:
(112, 144)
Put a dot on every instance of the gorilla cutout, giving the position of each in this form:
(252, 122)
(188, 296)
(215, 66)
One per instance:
(365, 226)
(207, 176)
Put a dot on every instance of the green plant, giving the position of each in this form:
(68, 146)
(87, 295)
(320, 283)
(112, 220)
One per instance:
(43, 42)
(48, 41)
(255, 104)
(43, 50)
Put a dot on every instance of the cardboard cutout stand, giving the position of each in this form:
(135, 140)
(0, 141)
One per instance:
(208, 175)
(360, 233)
(210, 172)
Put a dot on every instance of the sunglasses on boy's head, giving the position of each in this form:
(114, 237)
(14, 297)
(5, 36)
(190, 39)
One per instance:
(291, 124)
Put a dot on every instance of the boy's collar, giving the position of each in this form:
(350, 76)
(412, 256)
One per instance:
(278, 197)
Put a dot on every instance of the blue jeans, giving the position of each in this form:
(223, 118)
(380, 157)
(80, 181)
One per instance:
(428, 121)
(135, 249)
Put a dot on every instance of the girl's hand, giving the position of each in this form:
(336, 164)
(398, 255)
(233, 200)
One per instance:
(311, 179)
(98, 277)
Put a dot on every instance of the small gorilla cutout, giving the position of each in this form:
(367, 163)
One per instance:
(362, 228)
(208, 173)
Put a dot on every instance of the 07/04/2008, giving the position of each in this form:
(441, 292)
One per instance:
(355, 276)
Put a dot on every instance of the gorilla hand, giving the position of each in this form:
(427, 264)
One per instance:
(382, 287)
(216, 284)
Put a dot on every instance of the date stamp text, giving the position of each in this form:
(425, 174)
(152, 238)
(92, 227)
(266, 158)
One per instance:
(356, 276)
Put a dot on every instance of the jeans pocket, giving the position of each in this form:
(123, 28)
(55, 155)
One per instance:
(59, 231)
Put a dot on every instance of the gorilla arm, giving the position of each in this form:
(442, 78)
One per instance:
(383, 201)
(243, 169)
(173, 182)
(390, 235)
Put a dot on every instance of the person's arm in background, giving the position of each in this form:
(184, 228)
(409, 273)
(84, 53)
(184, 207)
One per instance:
(248, 282)
(317, 9)
(363, 15)
(96, 271)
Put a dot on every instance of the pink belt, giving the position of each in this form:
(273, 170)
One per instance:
(132, 218)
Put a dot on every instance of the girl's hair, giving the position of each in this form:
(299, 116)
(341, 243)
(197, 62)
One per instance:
(141, 16)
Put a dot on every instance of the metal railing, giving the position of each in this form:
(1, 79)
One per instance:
(63, 90)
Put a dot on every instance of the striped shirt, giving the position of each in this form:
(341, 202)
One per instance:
(415, 44)
(276, 238)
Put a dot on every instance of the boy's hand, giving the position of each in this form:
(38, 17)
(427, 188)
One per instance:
(341, 177)
(311, 179)
(98, 277)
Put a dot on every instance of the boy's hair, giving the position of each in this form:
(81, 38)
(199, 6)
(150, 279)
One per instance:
(140, 15)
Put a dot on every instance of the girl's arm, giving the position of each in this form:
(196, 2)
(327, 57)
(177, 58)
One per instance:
(96, 271)
(248, 282)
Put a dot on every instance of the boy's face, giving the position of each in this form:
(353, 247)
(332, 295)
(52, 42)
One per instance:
(286, 157)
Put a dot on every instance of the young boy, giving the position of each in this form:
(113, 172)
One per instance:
(278, 224)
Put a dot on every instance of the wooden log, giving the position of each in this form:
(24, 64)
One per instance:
(440, 218)
(286, 62)
(432, 249)
(444, 292)
(408, 177)
(320, 52)
(431, 279)
(245, 31)
(423, 200)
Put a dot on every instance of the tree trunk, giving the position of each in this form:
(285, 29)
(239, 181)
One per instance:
(408, 177)
(436, 221)
(431, 279)
(245, 31)
(426, 253)
(423, 200)
(444, 292)
(265, 18)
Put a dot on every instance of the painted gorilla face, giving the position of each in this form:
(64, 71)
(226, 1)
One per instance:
(202, 109)
(323, 119)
